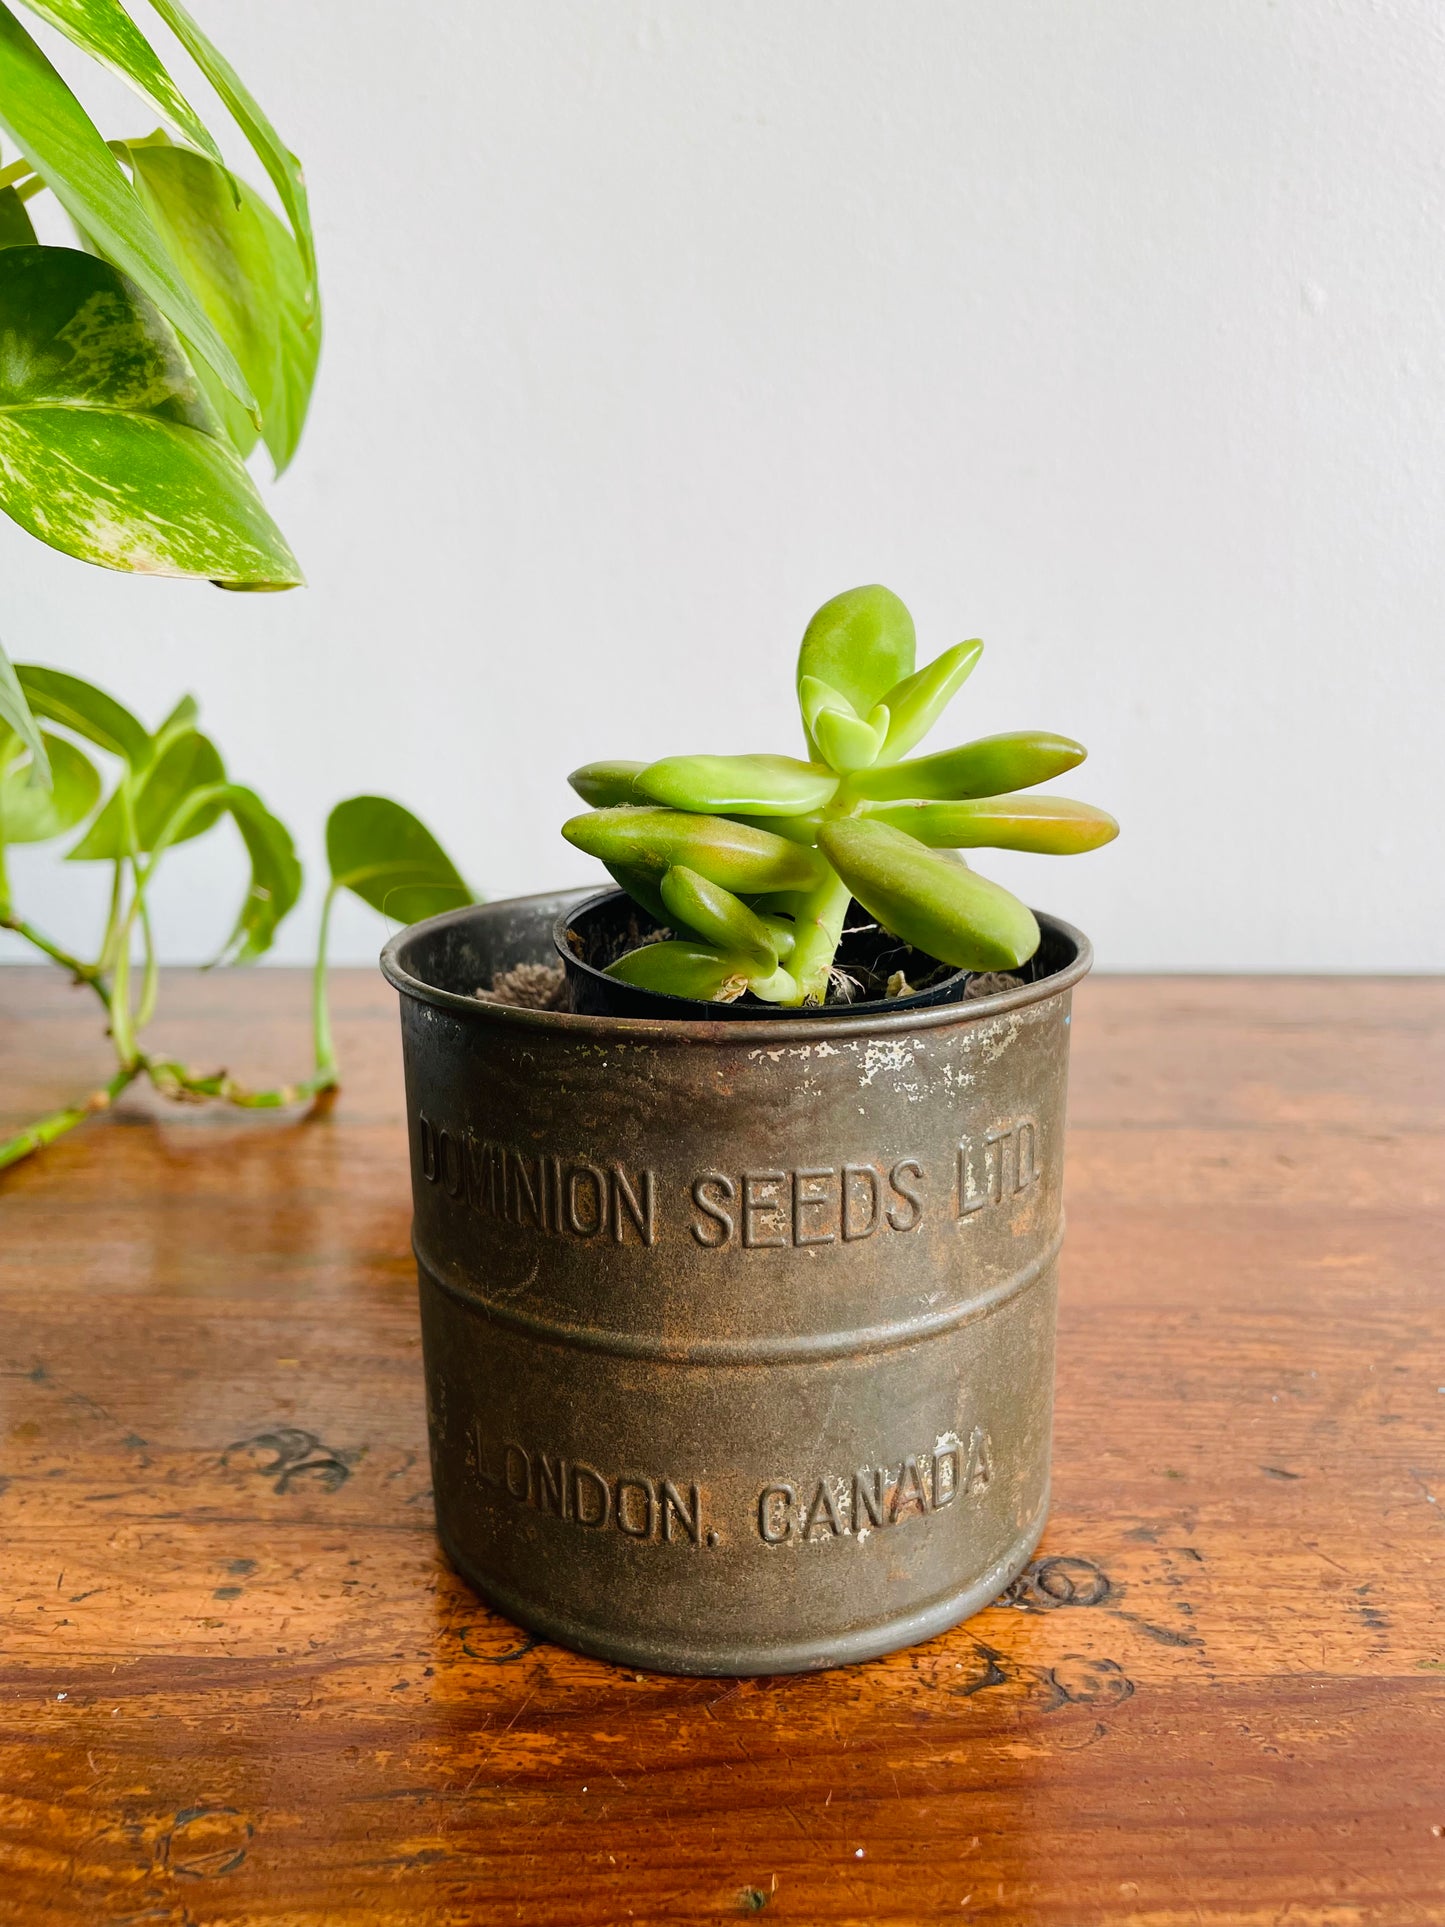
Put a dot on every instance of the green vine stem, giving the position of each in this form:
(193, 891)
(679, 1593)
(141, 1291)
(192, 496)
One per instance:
(169, 1078)
(320, 1002)
(168, 792)
(48, 1129)
(83, 973)
(175, 1081)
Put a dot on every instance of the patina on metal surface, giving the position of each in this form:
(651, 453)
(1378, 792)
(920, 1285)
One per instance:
(738, 1337)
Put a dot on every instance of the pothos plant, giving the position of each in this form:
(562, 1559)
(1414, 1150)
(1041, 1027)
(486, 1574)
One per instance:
(168, 786)
(751, 862)
(139, 368)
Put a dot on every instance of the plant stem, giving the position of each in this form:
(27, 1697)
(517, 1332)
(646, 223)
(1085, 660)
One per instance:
(320, 1002)
(120, 1024)
(112, 920)
(819, 918)
(82, 972)
(121, 1028)
(16, 171)
(59, 1122)
(173, 1080)
(170, 1079)
(150, 982)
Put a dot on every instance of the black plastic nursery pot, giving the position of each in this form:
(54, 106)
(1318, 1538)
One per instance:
(738, 1336)
(593, 933)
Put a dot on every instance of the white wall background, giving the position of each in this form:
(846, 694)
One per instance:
(1111, 333)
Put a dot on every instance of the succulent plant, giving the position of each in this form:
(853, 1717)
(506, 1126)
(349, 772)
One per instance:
(751, 861)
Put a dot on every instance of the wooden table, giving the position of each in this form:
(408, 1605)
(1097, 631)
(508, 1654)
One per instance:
(239, 1685)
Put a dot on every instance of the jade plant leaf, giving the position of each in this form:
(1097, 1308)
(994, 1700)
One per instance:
(185, 763)
(89, 711)
(277, 159)
(680, 969)
(1049, 825)
(937, 905)
(641, 886)
(992, 766)
(390, 859)
(733, 854)
(58, 138)
(719, 918)
(16, 230)
(17, 715)
(32, 813)
(275, 881)
(915, 704)
(759, 785)
(104, 30)
(606, 783)
(847, 742)
(108, 447)
(860, 643)
(246, 271)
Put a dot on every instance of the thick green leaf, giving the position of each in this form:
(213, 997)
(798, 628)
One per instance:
(275, 876)
(1049, 825)
(31, 813)
(846, 742)
(246, 272)
(916, 703)
(939, 906)
(88, 711)
(391, 860)
(106, 32)
(861, 644)
(16, 715)
(16, 230)
(279, 162)
(719, 918)
(188, 762)
(605, 783)
(782, 933)
(797, 829)
(725, 852)
(759, 785)
(678, 969)
(108, 448)
(641, 887)
(814, 695)
(58, 138)
(992, 766)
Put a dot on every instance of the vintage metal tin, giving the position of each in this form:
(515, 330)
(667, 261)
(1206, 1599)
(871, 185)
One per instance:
(738, 1337)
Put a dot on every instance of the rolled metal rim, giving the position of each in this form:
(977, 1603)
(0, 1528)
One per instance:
(674, 1030)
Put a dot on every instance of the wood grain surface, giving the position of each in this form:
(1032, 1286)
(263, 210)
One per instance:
(239, 1685)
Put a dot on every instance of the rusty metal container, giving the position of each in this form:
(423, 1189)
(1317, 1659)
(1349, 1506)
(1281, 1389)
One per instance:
(739, 1337)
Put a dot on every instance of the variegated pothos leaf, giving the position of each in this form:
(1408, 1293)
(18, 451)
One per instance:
(109, 449)
(63, 145)
(277, 159)
(246, 271)
(104, 30)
